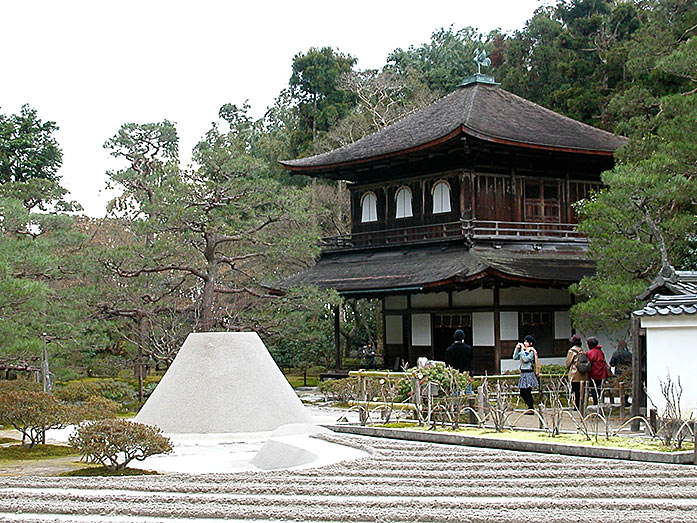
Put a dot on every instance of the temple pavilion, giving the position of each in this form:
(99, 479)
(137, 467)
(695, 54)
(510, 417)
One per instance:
(462, 217)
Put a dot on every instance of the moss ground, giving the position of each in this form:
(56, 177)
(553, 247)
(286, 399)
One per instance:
(18, 452)
(104, 471)
(625, 442)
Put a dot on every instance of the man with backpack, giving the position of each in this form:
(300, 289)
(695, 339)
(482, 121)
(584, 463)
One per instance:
(579, 365)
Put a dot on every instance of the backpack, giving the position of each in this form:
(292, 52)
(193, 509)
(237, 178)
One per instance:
(583, 364)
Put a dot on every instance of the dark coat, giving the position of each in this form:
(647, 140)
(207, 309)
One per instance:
(459, 356)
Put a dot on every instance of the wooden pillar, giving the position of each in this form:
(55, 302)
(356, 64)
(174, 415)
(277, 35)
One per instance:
(636, 371)
(337, 337)
(497, 331)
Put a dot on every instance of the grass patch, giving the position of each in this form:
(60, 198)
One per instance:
(632, 443)
(8, 440)
(20, 453)
(297, 381)
(104, 471)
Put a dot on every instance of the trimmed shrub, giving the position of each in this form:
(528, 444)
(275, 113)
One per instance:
(82, 390)
(33, 413)
(115, 443)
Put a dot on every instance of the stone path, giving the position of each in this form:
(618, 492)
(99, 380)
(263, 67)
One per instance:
(400, 481)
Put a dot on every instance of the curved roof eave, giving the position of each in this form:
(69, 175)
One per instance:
(463, 129)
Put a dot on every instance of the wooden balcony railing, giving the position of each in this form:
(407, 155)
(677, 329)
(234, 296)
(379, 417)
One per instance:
(466, 229)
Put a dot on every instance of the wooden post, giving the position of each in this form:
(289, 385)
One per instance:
(337, 337)
(473, 418)
(416, 388)
(622, 401)
(636, 372)
(653, 419)
(583, 393)
(363, 391)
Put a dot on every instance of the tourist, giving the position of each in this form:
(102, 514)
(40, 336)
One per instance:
(459, 354)
(526, 353)
(621, 359)
(599, 367)
(577, 375)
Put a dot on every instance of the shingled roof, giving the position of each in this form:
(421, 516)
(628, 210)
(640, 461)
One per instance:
(420, 268)
(485, 111)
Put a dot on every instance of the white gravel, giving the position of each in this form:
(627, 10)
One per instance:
(398, 481)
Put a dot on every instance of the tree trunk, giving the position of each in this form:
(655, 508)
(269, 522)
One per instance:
(205, 317)
(139, 367)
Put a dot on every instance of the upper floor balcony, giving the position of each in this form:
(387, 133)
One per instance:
(467, 230)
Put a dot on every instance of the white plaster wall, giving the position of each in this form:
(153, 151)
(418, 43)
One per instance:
(509, 325)
(421, 329)
(393, 329)
(483, 329)
(511, 364)
(436, 299)
(529, 295)
(395, 302)
(671, 347)
(562, 325)
(473, 298)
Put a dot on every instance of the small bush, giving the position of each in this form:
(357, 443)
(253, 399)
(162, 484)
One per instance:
(115, 443)
(82, 390)
(345, 389)
(19, 385)
(33, 413)
(553, 368)
(96, 408)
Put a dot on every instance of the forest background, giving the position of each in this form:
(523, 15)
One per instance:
(190, 249)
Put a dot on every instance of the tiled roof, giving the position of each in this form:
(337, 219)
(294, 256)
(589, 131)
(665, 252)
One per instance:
(670, 305)
(670, 281)
(482, 110)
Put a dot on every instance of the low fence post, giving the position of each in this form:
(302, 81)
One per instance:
(653, 421)
(363, 412)
(473, 417)
(623, 401)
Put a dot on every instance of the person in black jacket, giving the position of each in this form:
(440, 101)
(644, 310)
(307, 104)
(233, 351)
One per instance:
(459, 354)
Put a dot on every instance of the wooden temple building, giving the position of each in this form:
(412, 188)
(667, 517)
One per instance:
(462, 218)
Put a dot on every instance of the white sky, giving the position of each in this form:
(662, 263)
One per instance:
(92, 65)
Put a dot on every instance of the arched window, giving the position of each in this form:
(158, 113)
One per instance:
(369, 208)
(404, 203)
(441, 197)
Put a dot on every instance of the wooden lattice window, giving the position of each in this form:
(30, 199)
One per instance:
(455, 321)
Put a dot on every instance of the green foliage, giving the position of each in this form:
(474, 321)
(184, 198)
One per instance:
(299, 327)
(28, 149)
(33, 413)
(448, 379)
(570, 56)
(645, 218)
(345, 389)
(79, 391)
(444, 62)
(553, 368)
(314, 87)
(115, 443)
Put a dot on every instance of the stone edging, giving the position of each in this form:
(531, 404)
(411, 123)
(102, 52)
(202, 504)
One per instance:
(680, 457)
